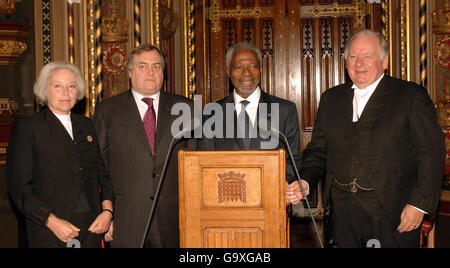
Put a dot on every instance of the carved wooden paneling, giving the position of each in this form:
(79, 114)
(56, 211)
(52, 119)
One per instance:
(248, 3)
(345, 32)
(229, 3)
(266, 2)
(231, 32)
(323, 65)
(268, 55)
(308, 74)
(231, 22)
(9, 111)
(233, 238)
(249, 33)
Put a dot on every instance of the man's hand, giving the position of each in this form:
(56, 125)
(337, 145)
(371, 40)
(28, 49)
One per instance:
(109, 236)
(62, 229)
(101, 223)
(294, 194)
(411, 219)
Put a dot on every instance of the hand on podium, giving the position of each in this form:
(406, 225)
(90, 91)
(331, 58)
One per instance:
(294, 194)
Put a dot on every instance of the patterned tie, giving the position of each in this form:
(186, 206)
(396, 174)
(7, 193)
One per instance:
(150, 123)
(246, 119)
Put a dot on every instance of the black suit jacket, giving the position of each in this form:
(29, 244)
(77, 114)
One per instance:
(288, 124)
(135, 173)
(47, 171)
(402, 148)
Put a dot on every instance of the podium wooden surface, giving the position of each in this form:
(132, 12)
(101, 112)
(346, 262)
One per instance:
(233, 199)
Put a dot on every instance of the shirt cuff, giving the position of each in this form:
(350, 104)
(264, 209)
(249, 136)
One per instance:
(424, 212)
(307, 185)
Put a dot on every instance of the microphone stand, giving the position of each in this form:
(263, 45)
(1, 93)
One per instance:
(300, 183)
(158, 190)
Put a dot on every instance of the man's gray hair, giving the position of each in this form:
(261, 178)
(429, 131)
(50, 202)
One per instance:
(382, 41)
(241, 46)
(42, 83)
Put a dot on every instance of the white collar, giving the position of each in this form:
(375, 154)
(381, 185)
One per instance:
(252, 107)
(369, 89)
(62, 117)
(138, 97)
(66, 121)
(253, 98)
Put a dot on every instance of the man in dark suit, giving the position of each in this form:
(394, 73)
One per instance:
(243, 65)
(378, 143)
(134, 131)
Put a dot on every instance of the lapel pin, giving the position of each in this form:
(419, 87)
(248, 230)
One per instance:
(89, 138)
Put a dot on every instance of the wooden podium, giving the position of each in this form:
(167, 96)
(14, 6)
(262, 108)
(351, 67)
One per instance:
(233, 199)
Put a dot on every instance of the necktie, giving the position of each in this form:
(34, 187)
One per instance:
(150, 123)
(243, 117)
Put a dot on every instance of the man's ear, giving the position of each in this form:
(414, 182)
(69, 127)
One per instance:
(228, 72)
(386, 62)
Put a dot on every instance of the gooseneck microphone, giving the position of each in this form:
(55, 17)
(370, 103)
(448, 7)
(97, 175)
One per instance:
(190, 126)
(264, 122)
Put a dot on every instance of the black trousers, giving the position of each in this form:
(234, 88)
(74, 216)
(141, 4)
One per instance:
(360, 222)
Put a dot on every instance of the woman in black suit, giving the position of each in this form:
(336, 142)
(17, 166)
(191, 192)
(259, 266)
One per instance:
(55, 175)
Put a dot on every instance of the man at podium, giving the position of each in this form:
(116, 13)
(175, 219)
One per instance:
(243, 66)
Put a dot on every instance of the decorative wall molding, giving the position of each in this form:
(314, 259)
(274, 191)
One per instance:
(9, 111)
(441, 20)
(215, 13)
(137, 22)
(169, 22)
(7, 7)
(360, 10)
(114, 27)
(13, 42)
(94, 64)
(46, 32)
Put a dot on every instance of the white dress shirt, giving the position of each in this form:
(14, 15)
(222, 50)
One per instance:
(252, 107)
(361, 97)
(66, 122)
(142, 106)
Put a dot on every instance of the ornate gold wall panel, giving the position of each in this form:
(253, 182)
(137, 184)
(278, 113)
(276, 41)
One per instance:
(13, 42)
(441, 31)
(7, 7)
(97, 36)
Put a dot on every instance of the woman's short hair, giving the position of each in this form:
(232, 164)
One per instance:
(41, 85)
(382, 41)
(241, 46)
(139, 50)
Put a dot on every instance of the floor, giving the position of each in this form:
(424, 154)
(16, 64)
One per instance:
(303, 234)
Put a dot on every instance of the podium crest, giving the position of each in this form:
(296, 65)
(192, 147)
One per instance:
(232, 187)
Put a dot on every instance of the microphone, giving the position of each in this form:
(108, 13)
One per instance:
(267, 123)
(190, 126)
